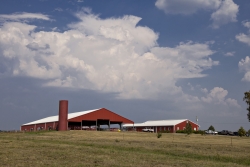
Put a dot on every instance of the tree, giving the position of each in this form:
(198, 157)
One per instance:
(241, 131)
(211, 128)
(188, 129)
(246, 98)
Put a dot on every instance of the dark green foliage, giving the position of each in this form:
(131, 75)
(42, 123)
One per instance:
(188, 129)
(199, 132)
(246, 98)
(158, 135)
(241, 131)
(211, 128)
(180, 131)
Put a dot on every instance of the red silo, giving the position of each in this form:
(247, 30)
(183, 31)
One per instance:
(63, 115)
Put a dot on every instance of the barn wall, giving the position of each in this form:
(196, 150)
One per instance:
(43, 126)
(156, 128)
(182, 126)
(101, 114)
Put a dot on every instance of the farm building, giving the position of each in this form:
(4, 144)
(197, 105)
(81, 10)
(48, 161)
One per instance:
(75, 121)
(162, 125)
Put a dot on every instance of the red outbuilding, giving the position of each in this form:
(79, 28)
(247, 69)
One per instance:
(78, 120)
(162, 125)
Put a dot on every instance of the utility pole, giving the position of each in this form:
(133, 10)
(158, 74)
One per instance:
(197, 121)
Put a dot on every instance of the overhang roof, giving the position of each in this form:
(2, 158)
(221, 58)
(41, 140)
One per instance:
(55, 118)
(157, 123)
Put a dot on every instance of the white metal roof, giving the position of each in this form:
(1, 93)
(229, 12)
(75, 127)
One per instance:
(55, 118)
(156, 123)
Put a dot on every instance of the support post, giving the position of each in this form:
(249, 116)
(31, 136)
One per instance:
(109, 125)
(96, 125)
(120, 125)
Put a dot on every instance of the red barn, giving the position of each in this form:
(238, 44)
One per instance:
(77, 120)
(163, 125)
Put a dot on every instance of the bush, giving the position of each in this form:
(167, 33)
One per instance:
(188, 130)
(199, 132)
(211, 128)
(159, 134)
(180, 131)
(241, 131)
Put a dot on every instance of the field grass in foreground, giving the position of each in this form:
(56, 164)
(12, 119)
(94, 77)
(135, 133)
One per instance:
(91, 148)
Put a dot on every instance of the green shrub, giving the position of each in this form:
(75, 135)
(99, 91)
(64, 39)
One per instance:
(188, 130)
(159, 134)
(241, 131)
(180, 131)
(199, 132)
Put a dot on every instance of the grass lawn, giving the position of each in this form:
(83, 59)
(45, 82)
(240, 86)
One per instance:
(91, 148)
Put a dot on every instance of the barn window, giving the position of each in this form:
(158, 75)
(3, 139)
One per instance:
(177, 128)
(160, 128)
(169, 128)
(194, 129)
(164, 128)
(184, 128)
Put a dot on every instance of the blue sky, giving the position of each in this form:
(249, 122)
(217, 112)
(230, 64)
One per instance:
(145, 60)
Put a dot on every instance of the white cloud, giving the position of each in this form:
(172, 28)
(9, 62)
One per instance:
(224, 11)
(218, 96)
(244, 65)
(23, 16)
(204, 90)
(245, 38)
(186, 7)
(246, 24)
(109, 55)
(229, 54)
(59, 9)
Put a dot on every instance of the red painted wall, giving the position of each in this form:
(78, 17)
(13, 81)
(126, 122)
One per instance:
(182, 126)
(101, 114)
(63, 115)
(35, 126)
(156, 129)
(93, 116)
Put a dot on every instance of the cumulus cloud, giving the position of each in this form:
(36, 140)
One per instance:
(108, 55)
(23, 17)
(245, 38)
(229, 54)
(246, 24)
(224, 11)
(244, 65)
(58, 9)
(218, 96)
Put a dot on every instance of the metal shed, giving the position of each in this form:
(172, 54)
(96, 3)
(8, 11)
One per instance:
(162, 125)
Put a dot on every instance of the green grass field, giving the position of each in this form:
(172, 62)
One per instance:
(91, 148)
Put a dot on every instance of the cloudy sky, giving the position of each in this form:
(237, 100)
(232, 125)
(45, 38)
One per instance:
(145, 60)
